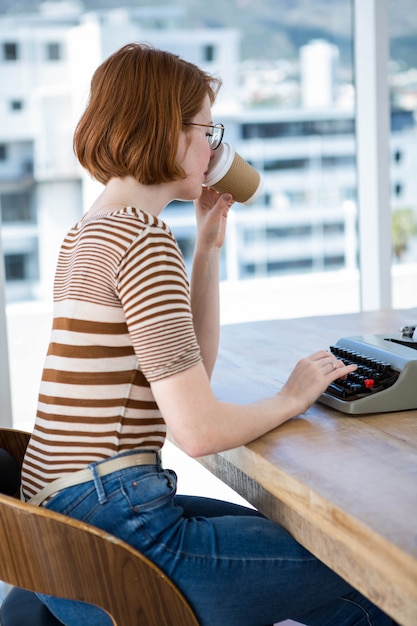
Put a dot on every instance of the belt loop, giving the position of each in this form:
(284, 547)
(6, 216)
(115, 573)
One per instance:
(98, 484)
(21, 494)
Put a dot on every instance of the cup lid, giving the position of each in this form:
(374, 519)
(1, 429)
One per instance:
(219, 164)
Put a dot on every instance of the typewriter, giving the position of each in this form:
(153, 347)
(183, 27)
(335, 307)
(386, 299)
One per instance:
(386, 377)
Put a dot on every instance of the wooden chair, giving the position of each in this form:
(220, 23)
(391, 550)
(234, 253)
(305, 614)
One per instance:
(46, 552)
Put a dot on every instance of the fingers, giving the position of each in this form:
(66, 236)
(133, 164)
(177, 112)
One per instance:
(334, 364)
(222, 202)
(312, 375)
(213, 197)
(331, 365)
(228, 198)
(337, 369)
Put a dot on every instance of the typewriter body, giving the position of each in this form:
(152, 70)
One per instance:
(386, 378)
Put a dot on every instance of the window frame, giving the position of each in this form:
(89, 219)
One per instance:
(371, 44)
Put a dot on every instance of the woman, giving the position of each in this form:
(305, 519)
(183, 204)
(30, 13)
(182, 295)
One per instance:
(131, 354)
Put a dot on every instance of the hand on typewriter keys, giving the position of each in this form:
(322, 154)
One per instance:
(372, 375)
(313, 373)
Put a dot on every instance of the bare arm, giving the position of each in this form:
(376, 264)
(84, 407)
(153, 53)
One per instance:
(201, 424)
(211, 211)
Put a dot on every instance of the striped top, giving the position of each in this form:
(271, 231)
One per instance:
(122, 319)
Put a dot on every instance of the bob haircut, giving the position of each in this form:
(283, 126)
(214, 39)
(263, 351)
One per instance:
(139, 100)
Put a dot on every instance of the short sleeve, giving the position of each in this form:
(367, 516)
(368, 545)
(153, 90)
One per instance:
(154, 292)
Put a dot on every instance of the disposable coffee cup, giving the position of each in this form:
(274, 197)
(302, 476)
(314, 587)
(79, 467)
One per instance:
(230, 173)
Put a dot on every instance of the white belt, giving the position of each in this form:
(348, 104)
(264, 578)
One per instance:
(85, 475)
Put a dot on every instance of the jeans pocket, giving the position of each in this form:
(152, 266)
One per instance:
(146, 492)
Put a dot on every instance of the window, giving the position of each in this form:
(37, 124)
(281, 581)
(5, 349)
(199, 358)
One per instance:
(15, 208)
(15, 267)
(298, 128)
(53, 51)
(10, 51)
(308, 156)
(402, 86)
(398, 156)
(398, 190)
(286, 164)
(402, 119)
(209, 53)
(347, 160)
(16, 105)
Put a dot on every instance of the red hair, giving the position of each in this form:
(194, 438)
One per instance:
(140, 98)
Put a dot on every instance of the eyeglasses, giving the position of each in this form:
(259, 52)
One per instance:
(215, 136)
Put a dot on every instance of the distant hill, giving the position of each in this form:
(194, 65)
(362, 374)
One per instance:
(275, 28)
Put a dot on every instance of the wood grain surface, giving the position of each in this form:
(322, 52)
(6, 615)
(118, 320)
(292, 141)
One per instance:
(345, 487)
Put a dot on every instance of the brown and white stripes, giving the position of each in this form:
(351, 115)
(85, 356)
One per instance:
(122, 319)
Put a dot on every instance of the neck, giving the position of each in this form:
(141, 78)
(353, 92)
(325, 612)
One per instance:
(121, 192)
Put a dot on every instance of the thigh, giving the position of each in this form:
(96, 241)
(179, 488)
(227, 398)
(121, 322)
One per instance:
(235, 567)
(239, 569)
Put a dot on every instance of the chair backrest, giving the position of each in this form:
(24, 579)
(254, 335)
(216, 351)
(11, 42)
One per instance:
(47, 552)
(14, 443)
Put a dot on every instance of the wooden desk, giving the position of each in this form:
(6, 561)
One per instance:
(345, 487)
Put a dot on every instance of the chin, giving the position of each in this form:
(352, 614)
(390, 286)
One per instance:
(190, 195)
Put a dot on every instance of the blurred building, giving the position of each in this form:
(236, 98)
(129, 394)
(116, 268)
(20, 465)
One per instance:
(304, 221)
(318, 70)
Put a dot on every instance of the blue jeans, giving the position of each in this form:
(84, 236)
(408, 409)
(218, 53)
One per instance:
(235, 567)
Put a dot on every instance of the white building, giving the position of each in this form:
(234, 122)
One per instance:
(46, 63)
(305, 221)
(318, 69)
(309, 214)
